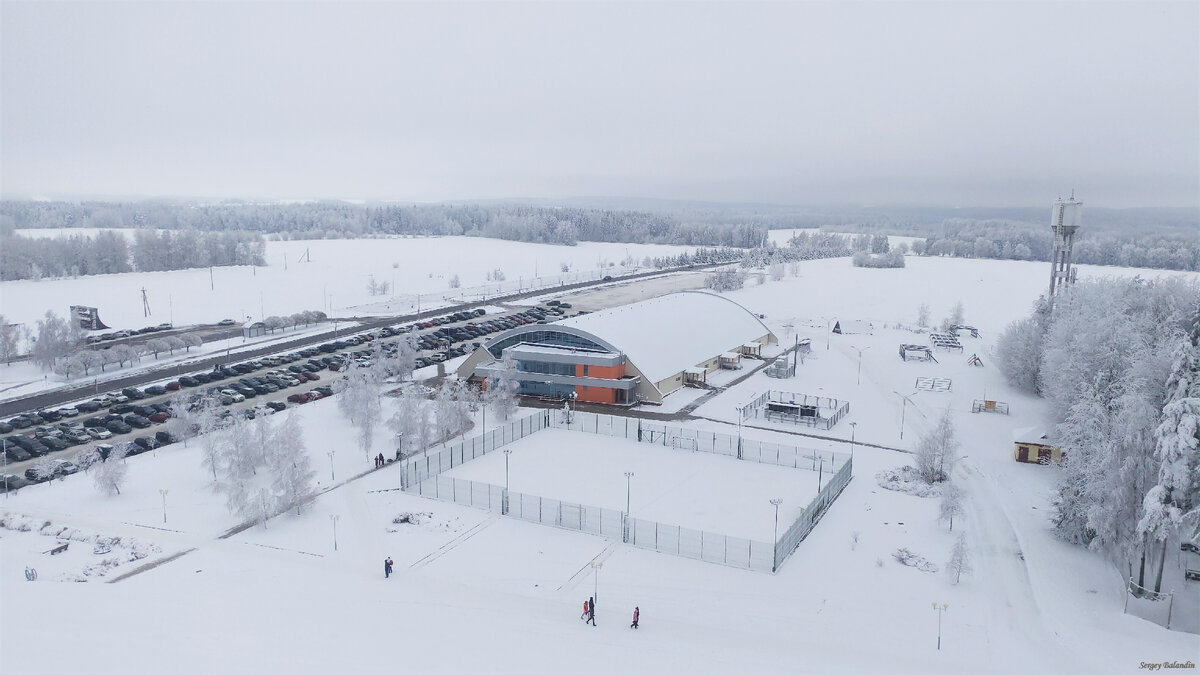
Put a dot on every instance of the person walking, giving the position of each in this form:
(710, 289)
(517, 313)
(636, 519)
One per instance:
(635, 618)
(591, 614)
(583, 617)
(387, 567)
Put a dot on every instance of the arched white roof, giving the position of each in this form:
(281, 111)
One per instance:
(665, 335)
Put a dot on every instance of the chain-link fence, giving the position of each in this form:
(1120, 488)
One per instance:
(422, 475)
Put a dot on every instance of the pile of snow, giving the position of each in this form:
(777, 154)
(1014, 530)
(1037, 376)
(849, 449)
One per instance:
(906, 480)
(116, 550)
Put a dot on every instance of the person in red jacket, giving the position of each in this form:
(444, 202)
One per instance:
(635, 618)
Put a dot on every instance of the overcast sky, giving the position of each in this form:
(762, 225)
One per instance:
(967, 104)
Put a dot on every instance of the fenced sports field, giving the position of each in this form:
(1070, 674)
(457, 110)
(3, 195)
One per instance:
(692, 493)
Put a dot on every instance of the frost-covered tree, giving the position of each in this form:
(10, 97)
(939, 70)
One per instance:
(290, 465)
(725, 279)
(359, 402)
(451, 408)
(1176, 495)
(776, 271)
(951, 503)
(44, 468)
(110, 474)
(10, 339)
(501, 392)
(937, 450)
(955, 318)
(923, 315)
(454, 282)
(410, 420)
(174, 342)
(960, 558)
(406, 356)
(1019, 350)
(87, 458)
(191, 340)
(156, 346)
(52, 340)
(92, 360)
(70, 366)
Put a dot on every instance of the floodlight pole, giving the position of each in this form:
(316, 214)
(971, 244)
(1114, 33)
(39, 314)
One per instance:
(903, 409)
(504, 506)
(853, 426)
(860, 350)
(163, 492)
(940, 608)
(595, 579)
(775, 542)
(628, 477)
(4, 452)
(334, 518)
(332, 477)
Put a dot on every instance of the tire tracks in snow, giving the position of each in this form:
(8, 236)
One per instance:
(455, 542)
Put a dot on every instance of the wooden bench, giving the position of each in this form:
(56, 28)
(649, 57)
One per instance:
(59, 549)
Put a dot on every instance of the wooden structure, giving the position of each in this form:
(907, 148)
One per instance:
(934, 384)
(1032, 446)
(751, 349)
(696, 375)
(945, 341)
(916, 353)
(989, 406)
(731, 361)
(975, 361)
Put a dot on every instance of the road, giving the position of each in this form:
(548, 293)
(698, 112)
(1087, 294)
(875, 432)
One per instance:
(62, 396)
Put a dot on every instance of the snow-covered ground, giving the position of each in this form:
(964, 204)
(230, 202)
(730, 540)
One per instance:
(696, 490)
(334, 281)
(474, 591)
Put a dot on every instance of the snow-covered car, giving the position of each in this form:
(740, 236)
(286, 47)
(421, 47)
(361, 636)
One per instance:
(237, 398)
(99, 433)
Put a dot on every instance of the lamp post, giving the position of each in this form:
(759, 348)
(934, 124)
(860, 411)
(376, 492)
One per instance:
(940, 608)
(573, 408)
(504, 505)
(775, 554)
(334, 518)
(163, 492)
(853, 426)
(628, 521)
(400, 455)
(332, 477)
(860, 350)
(904, 409)
(4, 452)
(596, 579)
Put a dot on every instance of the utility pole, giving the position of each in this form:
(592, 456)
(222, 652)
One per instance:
(940, 609)
(853, 427)
(904, 409)
(775, 542)
(334, 518)
(163, 492)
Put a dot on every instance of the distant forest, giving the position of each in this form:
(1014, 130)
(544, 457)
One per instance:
(179, 234)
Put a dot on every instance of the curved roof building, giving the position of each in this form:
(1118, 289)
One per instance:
(627, 354)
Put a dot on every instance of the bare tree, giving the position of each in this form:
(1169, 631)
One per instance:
(951, 504)
(937, 451)
(110, 474)
(960, 558)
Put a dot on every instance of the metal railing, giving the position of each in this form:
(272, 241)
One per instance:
(422, 475)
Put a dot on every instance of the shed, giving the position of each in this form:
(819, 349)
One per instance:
(253, 329)
(1032, 445)
(731, 360)
(752, 349)
(696, 374)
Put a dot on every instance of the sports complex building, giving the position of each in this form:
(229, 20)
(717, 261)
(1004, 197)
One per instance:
(625, 355)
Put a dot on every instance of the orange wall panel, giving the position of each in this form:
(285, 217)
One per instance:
(595, 394)
(605, 372)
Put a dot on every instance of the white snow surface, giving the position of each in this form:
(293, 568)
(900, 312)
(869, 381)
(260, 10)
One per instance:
(662, 336)
(695, 490)
(475, 592)
(334, 281)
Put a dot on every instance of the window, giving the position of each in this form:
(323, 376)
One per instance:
(585, 371)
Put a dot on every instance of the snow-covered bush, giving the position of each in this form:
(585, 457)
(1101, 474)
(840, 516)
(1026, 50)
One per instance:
(937, 451)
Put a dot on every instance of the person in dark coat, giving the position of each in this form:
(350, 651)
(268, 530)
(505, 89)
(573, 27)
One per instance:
(592, 612)
(387, 567)
(635, 618)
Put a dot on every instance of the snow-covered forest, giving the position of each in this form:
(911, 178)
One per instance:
(1118, 360)
(111, 253)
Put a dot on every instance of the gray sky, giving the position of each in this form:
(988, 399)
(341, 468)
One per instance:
(813, 103)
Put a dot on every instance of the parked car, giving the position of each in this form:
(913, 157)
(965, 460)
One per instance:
(298, 398)
(99, 433)
(12, 482)
(276, 405)
(77, 437)
(163, 438)
(87, 407)
(119, 427)
(226, 322)
(55, 444)
(158, 417)
(121, 409)
(237, 398)
(137, 421)
(17, 454)
(172, 386)
(146, 443)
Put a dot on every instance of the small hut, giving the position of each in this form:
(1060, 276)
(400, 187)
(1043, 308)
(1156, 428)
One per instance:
(1032, 445)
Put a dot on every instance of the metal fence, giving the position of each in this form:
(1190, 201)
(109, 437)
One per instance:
(423, 476)
(797, 408)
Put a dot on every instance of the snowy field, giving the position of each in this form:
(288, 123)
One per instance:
(696, 490)
(334, 281)
(282, 599)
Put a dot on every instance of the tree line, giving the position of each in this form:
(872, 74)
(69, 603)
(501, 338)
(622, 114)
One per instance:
(1118, 360)
(111, 253)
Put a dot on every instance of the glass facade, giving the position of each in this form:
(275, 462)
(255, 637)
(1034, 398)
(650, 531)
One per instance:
(545, 337)
(530, 388)
(547, 368)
